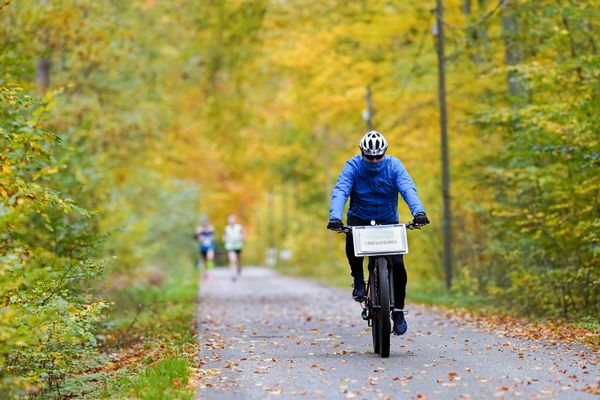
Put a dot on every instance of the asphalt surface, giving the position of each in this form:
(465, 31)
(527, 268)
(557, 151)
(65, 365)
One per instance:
(270, 336)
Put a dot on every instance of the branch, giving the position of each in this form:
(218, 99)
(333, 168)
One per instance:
(139, 311)
(60, 283)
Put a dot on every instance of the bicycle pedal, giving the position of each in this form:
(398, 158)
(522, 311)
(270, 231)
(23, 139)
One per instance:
(365, 315)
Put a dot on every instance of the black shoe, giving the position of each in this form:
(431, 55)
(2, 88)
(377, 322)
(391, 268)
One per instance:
(400, 325)
(360, 292)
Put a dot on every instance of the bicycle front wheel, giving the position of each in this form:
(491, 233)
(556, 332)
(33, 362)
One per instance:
(372, 300)
(383, 317)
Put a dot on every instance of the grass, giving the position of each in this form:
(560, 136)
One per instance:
(435, 293)
(166, 379)
(148, 348)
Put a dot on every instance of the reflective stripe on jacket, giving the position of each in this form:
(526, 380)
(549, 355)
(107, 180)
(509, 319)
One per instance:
(373, 190)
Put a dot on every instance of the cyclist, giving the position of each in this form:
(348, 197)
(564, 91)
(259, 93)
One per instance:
(373, 180)
(205, 235)
(234, 243)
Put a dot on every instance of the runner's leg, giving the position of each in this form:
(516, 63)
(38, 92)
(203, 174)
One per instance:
(239, 262)
(210, 256)
(232, 264)
(200, 259)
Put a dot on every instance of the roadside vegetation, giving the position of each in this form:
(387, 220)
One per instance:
(147, 348)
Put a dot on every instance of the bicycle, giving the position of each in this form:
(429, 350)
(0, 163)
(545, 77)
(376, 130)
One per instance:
(379, 302)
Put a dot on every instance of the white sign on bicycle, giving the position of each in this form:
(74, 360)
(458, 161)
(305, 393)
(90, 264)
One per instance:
(379, 240)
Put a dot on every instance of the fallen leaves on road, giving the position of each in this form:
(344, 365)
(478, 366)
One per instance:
(525, 329)
(592, 389)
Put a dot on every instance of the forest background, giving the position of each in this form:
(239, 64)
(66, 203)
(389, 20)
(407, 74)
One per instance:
(122, 121)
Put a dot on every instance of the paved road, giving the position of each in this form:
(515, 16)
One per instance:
(269, 336)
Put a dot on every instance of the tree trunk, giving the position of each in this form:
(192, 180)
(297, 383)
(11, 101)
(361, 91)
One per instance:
(466, 7)
(482, 35)
(476, 34)
(512, 50)
(43, 74)
(44, 64)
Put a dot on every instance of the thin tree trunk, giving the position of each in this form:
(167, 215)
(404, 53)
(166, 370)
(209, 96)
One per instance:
(476, 35)
(572, 44)
(43, 74)
(482, 34)
(44, 65)
(466, 7)
(512, 50)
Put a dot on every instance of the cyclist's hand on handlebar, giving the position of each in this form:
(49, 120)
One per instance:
(421, 219)
(335, 224)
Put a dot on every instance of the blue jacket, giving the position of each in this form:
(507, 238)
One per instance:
(373, 190)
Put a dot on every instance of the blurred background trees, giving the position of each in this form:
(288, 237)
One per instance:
(123, 121)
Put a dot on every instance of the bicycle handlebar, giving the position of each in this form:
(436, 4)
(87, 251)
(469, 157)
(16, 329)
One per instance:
(347, 229)
(412, 225)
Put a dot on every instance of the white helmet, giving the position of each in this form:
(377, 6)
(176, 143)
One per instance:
(373, 144)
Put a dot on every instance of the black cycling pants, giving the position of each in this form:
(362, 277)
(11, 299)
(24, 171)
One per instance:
(356, 265)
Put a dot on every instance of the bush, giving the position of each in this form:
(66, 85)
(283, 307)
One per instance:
(47, 269)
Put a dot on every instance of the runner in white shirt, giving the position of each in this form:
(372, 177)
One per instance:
(234, 243)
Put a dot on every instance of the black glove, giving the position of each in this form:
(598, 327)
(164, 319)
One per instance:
(421, 219)
(335, 224)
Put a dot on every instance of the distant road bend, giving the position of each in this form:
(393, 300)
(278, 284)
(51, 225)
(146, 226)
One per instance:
(268, 336)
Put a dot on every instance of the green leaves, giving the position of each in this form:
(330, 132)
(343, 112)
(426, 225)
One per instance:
(544, 180)
(47, 314)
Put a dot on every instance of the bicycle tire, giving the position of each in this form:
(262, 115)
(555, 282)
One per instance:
(383, 294)
(371, 301)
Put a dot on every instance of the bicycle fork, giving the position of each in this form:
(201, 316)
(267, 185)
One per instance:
(391, 281)
(390, 271)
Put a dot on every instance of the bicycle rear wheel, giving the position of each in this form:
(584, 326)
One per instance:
(383, 297)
